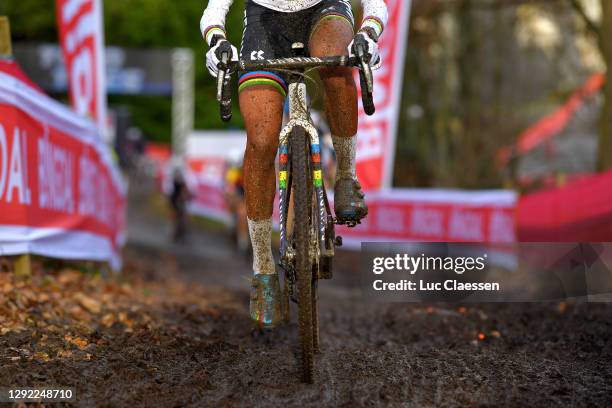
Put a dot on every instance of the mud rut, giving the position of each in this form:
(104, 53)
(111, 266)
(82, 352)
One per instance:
(410, 355)
(196, 348)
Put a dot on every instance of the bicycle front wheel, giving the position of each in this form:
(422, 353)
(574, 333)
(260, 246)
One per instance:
(302, 202)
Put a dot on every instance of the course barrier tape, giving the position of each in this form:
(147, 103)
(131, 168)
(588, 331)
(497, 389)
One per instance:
(61, 193)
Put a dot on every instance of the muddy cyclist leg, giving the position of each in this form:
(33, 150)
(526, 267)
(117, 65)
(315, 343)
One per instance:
(262, 109)
(331, 37)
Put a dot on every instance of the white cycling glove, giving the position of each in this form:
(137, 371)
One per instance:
(213, 56)
(371, 46)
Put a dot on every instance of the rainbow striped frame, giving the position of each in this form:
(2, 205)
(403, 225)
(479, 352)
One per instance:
(300, 117)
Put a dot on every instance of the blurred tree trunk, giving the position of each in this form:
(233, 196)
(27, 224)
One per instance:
(467, 162)
(604, 161)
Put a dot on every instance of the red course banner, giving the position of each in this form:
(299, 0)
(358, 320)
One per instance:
(61, 194)
(436, 215)
(376, 134)
(550, 126)
(82, 40)
(581, 211)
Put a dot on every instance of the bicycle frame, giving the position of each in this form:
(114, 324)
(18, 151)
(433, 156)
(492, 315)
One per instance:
(299, 115)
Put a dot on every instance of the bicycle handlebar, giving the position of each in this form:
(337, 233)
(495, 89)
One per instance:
(224, 77)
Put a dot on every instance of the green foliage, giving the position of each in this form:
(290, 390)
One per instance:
(150, 113)
(31, 20)
(141, 24)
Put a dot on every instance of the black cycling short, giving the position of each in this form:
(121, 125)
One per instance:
(269, 34)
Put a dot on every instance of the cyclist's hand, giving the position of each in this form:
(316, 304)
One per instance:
(365, 40)
(214, 55)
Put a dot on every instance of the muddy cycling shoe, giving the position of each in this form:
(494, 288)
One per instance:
(349, 203)
(265, 304)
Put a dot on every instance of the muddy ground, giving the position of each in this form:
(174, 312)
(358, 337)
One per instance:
(162, 336)
(173, 330)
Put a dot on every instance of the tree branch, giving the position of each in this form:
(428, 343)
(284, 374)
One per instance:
(587, 20)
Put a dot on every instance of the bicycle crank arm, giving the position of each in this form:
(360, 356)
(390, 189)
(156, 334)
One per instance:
(348, 223)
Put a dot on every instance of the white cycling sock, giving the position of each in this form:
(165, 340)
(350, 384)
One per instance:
(261, 240)
(346, 150)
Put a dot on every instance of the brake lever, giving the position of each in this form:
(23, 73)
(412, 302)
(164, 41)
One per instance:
(365, 67)
(221, 76)
(367, 72)
(224, 92)
(366, 79)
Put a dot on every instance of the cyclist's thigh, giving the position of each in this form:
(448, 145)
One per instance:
(263, 38)
(262, 93)
(332, 28)
(262, 110)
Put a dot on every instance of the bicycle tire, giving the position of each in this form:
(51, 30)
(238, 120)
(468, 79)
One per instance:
(302, 202)
(315, 314)
(285, 301)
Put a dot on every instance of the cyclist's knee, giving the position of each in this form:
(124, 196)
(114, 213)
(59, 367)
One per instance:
(331, 38)
(263, 149)
(262, 110)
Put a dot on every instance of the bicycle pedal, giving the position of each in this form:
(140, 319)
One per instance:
(260, 332)
(350, 223)
(338, 241)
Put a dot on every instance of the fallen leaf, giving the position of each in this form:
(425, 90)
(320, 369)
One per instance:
(77, 341)
(562, 307)
(64, 353)
(53, 329)
(108, 319)
(78, 313)
(122, 317)
(68, 276)
(88, 303)
(44, 357)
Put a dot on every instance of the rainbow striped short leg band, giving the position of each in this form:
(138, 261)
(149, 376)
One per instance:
(262, 78)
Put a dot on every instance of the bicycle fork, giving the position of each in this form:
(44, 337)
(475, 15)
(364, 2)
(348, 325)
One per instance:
(322, 243)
